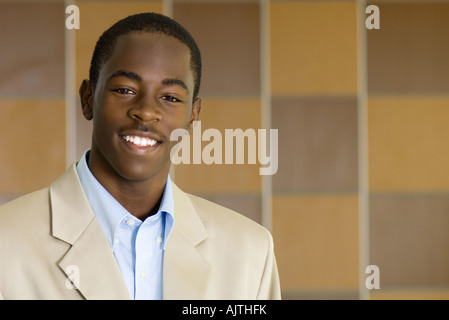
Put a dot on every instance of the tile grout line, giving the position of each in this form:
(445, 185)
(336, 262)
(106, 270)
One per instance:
(265, 74)
(70, 99)
(362, 115)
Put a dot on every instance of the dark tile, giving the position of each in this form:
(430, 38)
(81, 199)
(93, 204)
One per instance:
(317, 144)
(247, 205)
(32, 55)
(409, 239)
(228, 37)
(408, 54)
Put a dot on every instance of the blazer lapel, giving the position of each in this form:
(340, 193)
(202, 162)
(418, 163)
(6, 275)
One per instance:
(89, 256)
(186, 271)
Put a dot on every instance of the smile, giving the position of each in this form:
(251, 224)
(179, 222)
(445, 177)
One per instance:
(140, 141)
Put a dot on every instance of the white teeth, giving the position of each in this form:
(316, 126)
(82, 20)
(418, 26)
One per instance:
(140, 141)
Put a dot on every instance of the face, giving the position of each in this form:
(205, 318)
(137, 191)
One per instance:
(144, 92)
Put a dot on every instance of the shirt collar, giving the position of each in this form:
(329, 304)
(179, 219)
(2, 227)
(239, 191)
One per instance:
(110, 212)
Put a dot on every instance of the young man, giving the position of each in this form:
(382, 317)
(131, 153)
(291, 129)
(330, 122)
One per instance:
(114, 226)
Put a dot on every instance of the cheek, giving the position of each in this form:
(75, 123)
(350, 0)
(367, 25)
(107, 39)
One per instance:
(104, 122)
(179, 119)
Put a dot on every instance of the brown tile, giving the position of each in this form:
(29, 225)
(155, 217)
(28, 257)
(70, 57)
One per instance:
(408, 54)
(317, 144)
(228, 37)
(247, 205)
(409, 241)
(33, 144)
(32, 55)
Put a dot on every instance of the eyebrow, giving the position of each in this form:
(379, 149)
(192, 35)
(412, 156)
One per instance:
(126, 74)
(176, 82)
(134, 76)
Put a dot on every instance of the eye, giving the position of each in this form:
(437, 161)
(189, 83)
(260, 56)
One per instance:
(124, 91)
(170, 99)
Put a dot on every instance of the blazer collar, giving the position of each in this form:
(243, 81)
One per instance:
(74, 222)
(185, 270)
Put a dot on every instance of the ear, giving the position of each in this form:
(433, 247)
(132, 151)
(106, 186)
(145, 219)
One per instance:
(86, 95)
(195, 116)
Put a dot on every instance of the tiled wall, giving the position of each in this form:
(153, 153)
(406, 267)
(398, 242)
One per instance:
(362, 116)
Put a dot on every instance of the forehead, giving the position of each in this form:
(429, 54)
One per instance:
(147, 53)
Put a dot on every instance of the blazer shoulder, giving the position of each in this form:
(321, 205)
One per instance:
(25, 220)
(25, 206)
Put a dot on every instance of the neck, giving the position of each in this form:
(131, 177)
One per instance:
(140, 198)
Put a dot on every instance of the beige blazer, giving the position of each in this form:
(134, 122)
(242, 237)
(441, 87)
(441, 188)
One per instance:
(52, 236)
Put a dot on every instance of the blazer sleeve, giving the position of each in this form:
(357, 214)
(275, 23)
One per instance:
(270, 285)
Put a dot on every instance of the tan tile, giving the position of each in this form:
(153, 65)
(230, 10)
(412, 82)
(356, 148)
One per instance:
(223, 114)
(408, 140)
(33, 144)
(313, 47)
(317, 144)
(316, 241)
(425, 293)
(228, 37)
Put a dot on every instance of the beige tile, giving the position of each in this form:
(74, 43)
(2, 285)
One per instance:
(316, 241)
(408, 139)
(32, 55)
(317, 144)
(228, 37)
(408, 54)
(409, 241)
(33, 144)
(424, 293)
(313, 47)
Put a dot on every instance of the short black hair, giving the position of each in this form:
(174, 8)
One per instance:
(147, 22)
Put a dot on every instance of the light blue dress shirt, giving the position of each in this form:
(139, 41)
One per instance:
(138, 246)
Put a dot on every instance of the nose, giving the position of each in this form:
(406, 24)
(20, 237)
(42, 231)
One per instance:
(145, 109)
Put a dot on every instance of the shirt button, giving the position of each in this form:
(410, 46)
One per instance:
(116, 241)
(158, 240)
(130, 222)
(143, 274)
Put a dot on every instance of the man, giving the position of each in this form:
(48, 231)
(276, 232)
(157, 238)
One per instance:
(114, 226)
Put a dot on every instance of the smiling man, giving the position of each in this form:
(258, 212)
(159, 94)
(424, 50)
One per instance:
(114, 225)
